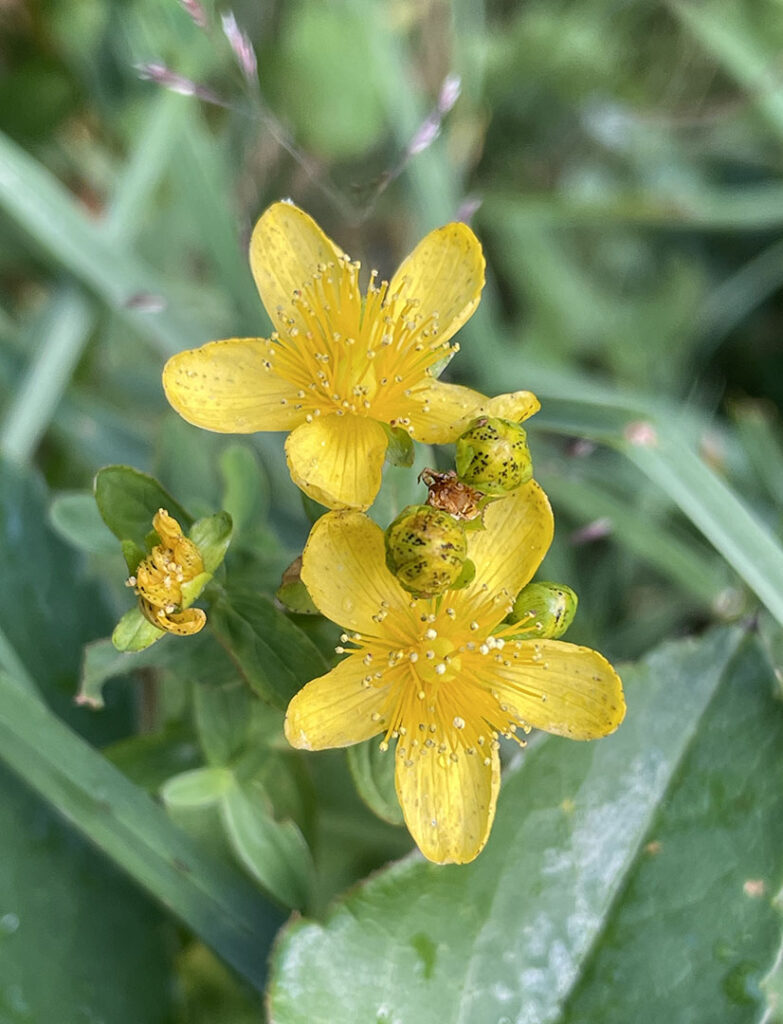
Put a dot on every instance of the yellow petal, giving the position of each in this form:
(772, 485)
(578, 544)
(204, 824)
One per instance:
(338, 460)
(285, 249)
(344, 570)
(336, 710)
(444, 274)
(226, 386)
(439, 412)
(449, 805)
(519, 530)
(559, 687)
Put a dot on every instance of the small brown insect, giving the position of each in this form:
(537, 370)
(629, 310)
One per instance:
(450, 495)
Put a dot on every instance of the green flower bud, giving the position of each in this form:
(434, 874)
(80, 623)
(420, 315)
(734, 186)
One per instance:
(493, 456)
(426, 549)
(544, 609)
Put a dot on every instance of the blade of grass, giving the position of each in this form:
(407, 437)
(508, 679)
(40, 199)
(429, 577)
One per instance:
(60, 332)
(696, 574)
(717, 512)
(670, 461)
(50, 215)
(68, 320)
(725, 31)
(709, 208)
(215, 901)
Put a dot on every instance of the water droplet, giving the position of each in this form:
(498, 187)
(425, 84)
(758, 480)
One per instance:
(8, 924)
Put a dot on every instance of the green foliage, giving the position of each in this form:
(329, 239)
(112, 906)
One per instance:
(274, 655)
(128, 500)
(372, 769)
(626, 161)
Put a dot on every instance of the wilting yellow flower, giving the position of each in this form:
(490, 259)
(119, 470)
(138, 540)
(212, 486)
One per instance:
(443, 676)
(340, 364)
(159, 579)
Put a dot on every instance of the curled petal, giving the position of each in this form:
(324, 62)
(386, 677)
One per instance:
(336, 710)
(183, 623)
(344, 570)
(448, 798)
(285, 250)
(443, 276)
(555, 686)
(230, 387)
(338, 460)
(440, 412)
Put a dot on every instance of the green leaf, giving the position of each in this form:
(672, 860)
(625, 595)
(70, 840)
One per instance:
(372, 770)
(128, 500)
(293, 593)
(222, 706)
(48, 607)
(76, 518)
(135, 633)
(329, 89)
(200, 787)
(274, 852)
(272, 653)
(151, 758)
(104, 661)
(623, 880)
(53, 884)
(212, 535)
(246, 494)
(123, 821)
(400, 451)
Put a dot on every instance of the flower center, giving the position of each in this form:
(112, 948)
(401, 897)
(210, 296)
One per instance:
(353, 354)
(437, 661)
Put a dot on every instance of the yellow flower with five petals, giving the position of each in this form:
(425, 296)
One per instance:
(340, 364)
(445, 677)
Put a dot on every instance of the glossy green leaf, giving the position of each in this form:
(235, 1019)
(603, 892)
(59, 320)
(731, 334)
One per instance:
(51, 882)
(372, 770)
(135, 633)
(128, 500)
(273, 654)
(134, 832)
(624, 879)
(212, 535)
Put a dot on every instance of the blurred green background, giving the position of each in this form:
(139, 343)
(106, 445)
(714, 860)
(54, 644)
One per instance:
(622, 163)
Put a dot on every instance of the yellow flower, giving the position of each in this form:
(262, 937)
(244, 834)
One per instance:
(160, 578)
(340, 365)
(443, 676)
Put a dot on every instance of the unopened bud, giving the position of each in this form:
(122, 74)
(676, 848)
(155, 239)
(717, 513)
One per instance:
(426, 549)
(492, 456)
(544, 609)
